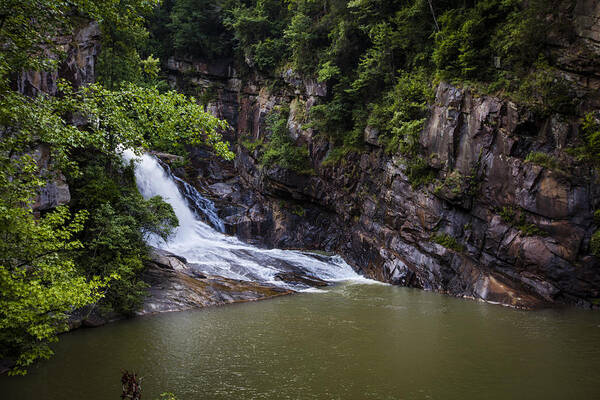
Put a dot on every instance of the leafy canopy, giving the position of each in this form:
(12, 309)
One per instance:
(55, 261)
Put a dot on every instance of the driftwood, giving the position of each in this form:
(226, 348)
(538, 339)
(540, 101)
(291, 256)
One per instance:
(132, 388)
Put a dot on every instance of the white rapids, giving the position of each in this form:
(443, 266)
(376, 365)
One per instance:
(214, 253)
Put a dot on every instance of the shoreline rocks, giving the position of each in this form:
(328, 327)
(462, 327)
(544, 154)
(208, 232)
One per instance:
(174, 285)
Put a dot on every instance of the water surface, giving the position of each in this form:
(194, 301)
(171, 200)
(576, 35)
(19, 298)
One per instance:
(354, 341)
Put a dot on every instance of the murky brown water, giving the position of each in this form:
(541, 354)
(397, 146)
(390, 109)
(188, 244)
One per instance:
(352, 342)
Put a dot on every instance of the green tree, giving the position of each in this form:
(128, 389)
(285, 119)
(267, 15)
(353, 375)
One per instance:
(39, 283)
(139, 118)
(197, 29)
(123, 36)
(42, 276)
(257, 31)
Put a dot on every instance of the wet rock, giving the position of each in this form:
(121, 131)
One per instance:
(175, 285)
(492, 289)
(166, 157)
(6, 365)
(91, 317)
(94, 321)
(167, 260)
(295, 278)
(221, 189)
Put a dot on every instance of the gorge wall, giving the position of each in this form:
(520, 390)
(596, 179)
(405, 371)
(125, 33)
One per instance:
(491, 225)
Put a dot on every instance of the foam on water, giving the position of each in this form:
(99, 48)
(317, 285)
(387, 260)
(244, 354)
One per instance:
(215, 253)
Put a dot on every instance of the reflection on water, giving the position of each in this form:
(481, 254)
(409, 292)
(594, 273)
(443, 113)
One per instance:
(350, 342)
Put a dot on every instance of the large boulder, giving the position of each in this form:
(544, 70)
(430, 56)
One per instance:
(176, 286)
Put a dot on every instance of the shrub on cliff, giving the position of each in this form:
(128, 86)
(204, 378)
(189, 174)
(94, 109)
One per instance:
(399, 116)
(590, 128)
(448, 241)
(197, 29)
(595, 244)
(543, 159)
(590, 152)
(255, 27)
(280, 149)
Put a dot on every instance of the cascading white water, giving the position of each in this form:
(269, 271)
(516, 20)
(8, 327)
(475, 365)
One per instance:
(215, 253)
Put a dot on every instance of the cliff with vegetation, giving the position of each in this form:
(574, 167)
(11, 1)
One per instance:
(448, 145)
(458, 157)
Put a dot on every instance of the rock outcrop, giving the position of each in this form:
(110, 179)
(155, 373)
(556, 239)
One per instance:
(56, 192)
(579, 58)
(175, 285)
(78, 67)
(80, 51)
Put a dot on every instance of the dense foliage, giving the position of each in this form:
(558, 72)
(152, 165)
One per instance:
(590, 151)
(55, 261)
(113, 238)
(38, 277)
(280, 149)
(365, 49)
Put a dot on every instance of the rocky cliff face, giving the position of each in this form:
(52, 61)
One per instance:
(78, 67)
(579, 57)
(491, 226)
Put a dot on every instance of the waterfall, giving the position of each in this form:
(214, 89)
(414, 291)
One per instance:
(210, 251)
(197, 201)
